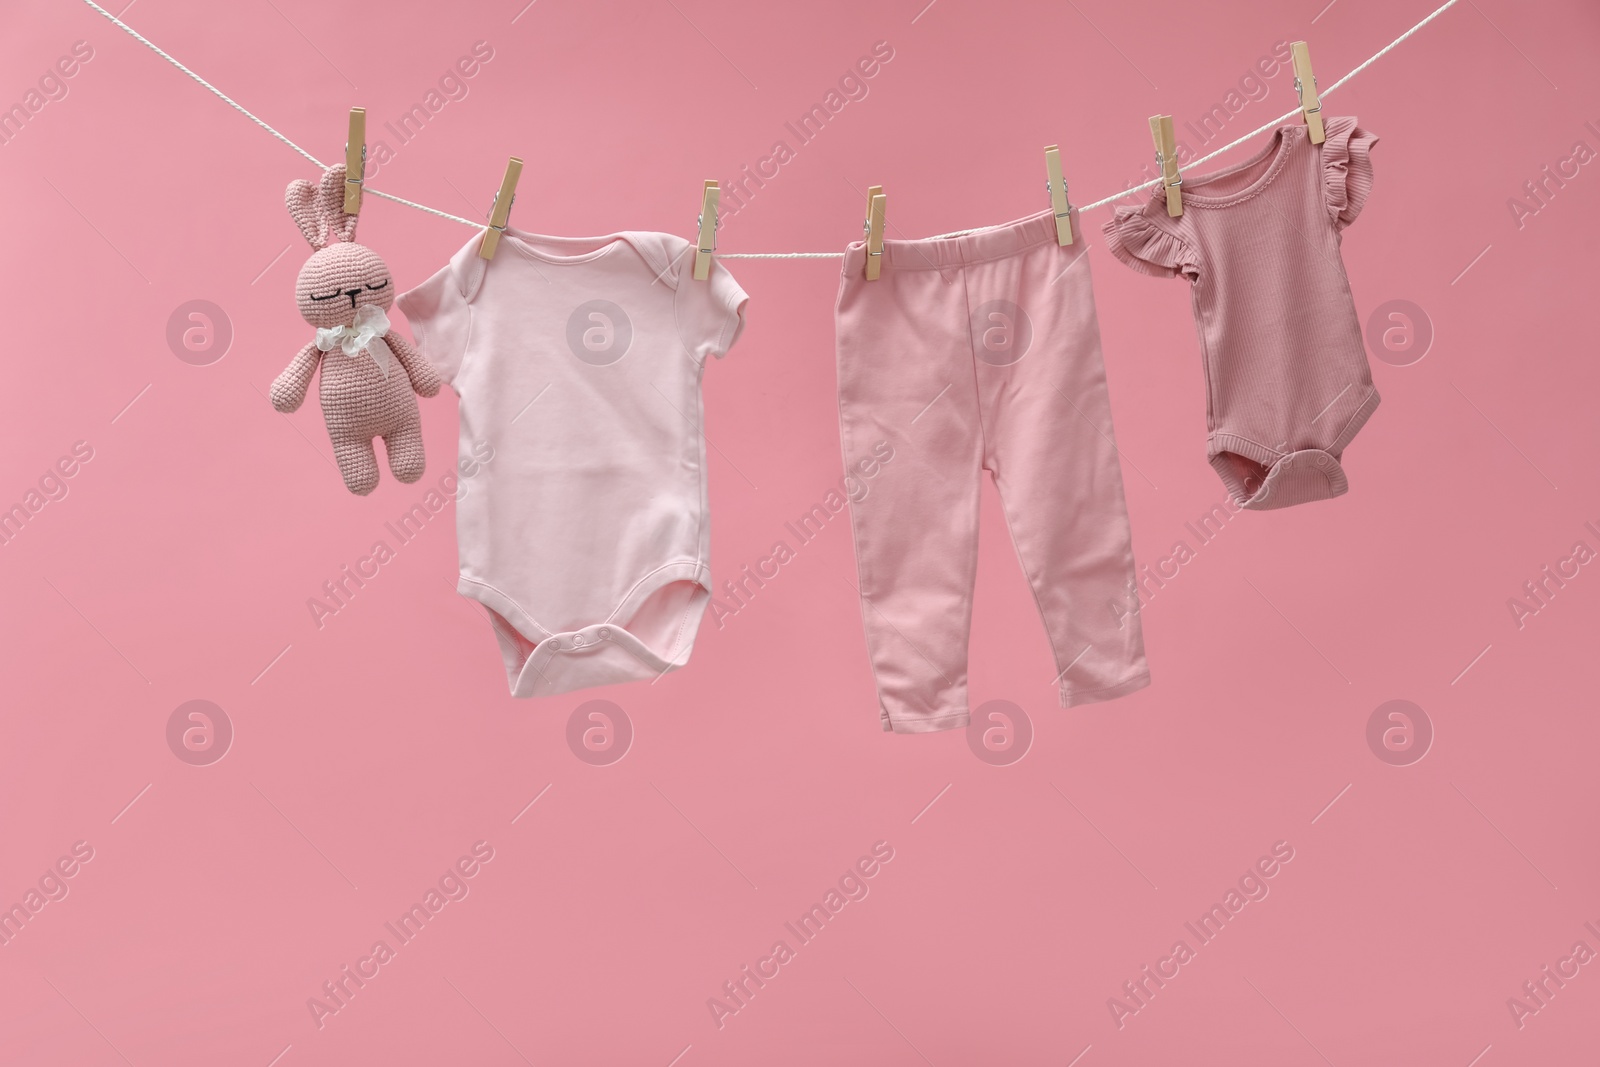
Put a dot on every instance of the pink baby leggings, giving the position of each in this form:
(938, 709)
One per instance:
(973, 353)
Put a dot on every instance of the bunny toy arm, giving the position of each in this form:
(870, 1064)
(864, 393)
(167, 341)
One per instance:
(424, 379)
(289, 388)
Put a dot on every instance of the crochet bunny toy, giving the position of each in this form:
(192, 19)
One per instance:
(368, 370)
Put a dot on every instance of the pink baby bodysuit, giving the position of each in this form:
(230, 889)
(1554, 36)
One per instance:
(578, 364)
(1287, 381)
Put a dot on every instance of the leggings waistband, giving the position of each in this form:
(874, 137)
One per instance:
(942, 253)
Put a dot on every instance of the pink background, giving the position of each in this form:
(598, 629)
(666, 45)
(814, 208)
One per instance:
(371, 753)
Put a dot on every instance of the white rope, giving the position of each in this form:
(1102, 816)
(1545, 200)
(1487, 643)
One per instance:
(1284, 117)
(1155, 182)
(231, 102)
(1272, 125)
(780, 255)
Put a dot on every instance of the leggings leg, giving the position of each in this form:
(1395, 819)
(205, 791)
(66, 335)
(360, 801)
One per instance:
(908, 421)
(1051, 448)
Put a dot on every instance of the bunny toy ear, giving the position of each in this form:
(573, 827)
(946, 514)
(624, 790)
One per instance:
(301, 201)
(319, 210)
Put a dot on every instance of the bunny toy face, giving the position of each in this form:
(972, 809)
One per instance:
(341, 276)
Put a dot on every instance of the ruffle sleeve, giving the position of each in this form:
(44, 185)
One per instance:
(1346, 168)
(1147, 247)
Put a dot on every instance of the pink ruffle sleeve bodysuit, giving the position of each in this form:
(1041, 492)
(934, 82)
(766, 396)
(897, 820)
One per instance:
(1287, 380)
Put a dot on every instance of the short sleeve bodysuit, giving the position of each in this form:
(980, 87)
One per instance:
(1287, 380)
(585, 533)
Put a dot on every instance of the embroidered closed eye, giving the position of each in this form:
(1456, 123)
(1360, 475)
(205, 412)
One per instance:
(337, 293)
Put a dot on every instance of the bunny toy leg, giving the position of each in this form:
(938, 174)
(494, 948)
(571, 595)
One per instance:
(289, 388)
(424, 379)
(357, 464)
(404, 445)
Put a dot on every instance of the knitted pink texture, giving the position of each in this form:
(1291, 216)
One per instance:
(359, 402)
(1287, 381)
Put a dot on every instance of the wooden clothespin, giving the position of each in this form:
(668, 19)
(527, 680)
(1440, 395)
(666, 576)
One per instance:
(877, 209)
(1167, 156)
(500, 214)
(707, 242)
(1058, 195)
(1305, 83)
(355, 160)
